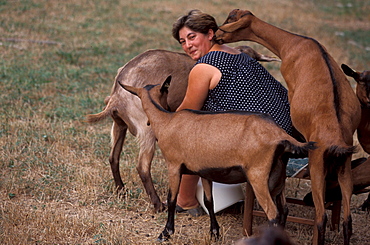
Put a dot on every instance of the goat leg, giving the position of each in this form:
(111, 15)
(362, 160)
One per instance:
(208, 202)
(174, 176)
(366, 205)
(118, 138)
(346, 186)
(282, 208)
(347, 230)
(263, 195)
(170, 225)
(146, 154)
(318, 185)
(248, 210)
(143, 168)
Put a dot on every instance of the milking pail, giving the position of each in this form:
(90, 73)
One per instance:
(224, 195)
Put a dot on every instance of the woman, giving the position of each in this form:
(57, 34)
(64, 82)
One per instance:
(223, 79)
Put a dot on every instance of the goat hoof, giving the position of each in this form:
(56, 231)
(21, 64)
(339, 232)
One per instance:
(121, 191)
(273, 222)
(215, 235)
(365, 206)
(161, 207)
(164, 236)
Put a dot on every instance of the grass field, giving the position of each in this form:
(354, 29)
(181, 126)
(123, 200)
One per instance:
(58, 61)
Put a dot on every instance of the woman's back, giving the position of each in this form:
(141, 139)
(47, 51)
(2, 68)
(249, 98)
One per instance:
(246, 85)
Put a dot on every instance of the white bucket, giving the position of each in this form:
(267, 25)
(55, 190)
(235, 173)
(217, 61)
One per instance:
(224, 195)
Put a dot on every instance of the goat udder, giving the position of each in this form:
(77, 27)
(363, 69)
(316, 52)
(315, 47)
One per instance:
(230, 175)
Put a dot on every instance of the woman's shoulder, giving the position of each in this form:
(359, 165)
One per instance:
(221, 58)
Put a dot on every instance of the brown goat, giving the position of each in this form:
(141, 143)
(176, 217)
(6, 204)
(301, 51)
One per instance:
(363, 95)
(363, 130)
(127, 113)
(361, 182)
(324, 108)
(361, 166)
(228, 147)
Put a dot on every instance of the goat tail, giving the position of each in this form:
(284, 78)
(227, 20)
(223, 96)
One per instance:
(298, 149)
(94, 118)
(336, 156)
(340, 151)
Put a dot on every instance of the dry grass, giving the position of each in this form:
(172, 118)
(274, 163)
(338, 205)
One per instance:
(55, 184)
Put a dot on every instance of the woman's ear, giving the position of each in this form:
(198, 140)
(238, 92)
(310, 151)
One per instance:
(211, 34)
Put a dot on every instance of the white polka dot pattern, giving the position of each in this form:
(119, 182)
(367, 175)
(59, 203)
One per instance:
(246, 85)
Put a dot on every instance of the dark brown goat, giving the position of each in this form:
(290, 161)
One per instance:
(324, 108)
(127, 113)
(361, 182)
(362, 175)
(363, 95)
(228, 147)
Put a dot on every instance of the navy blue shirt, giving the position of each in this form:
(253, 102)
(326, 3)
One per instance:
(246, 85)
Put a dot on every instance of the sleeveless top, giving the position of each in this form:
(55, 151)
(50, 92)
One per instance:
(246, 85)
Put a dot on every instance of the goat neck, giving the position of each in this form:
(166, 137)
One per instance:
(242, 25)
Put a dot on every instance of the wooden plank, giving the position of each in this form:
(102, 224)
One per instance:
(289, 218)
(296, 201)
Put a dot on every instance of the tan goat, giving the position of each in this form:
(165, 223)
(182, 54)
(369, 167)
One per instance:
(228, 147)
(127, 113)
(323, 106)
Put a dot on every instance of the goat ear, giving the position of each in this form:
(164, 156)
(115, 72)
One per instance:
(130, 89)
(350, 72)
(166, 85)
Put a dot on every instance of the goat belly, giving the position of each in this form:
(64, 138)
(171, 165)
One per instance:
(230, 175)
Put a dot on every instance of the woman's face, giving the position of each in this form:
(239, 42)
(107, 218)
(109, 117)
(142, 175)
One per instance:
(195, 44)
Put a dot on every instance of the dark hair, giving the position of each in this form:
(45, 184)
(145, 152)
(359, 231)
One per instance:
(197, 21)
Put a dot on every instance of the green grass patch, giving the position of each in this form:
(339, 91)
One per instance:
(357, 9)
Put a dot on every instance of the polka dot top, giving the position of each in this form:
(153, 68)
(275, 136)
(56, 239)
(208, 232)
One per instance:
(246, 85)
